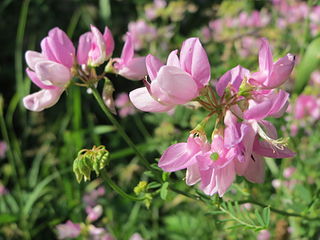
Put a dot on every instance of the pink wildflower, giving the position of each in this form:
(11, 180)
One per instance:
(288, 172)
(95, 48)
(94, 213)
(68, 230)
(264, 235)
(178, 82)
(272, 75)
(128, 66)
(125, 106)
(50, 70)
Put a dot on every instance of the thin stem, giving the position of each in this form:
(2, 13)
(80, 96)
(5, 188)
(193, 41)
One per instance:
(194, 197)
(121, 131)
(11, 155)
(278, 211)
(141, 126)
(116, 188)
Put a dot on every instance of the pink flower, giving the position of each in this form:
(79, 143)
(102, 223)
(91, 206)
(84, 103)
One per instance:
(91, 197)
(141, 33)
(264, 235)
(136, 236)
(95, 48)
(68, 230)
(178, 82)
(3, 149)
(217, 168)
(233, 77)
(276, 183)
(288, 172)
(315, 78)
(125, 106)
(50, 70)
(94, 213)
(99, 233)
(271, 75)
(306, 106)
(3, 189)
(128, 66)
(266, 104)
(182, 155)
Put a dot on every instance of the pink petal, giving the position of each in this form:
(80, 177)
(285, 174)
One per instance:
(109, 42)
(142, 100)
(135, 69)
(192, 174)
(265, 149)
(225, 177)
(177, 84)
(265, 57)
(201, 70)
(43, 99)
(208, 181)
(234, 76)
(128, 49)
(269, 128)
(280, 104)
(60, 36)
(32, 58)
(33, 76)
(58, 47)
(186, 54)
(281, 71)
(51, 72)
(194, 60)
(97, 53)
(173, 59)
(255, 171)
(153, 66)
(258, 110)
(179, 156)
(84, 48)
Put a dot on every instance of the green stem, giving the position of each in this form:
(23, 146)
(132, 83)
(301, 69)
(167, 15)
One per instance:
(194, 197)
(278, 211)
(141, 126)
(11, 155)
(116, 188)
(120, 129)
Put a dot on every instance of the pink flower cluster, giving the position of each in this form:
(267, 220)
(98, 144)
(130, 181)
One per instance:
(53, 69)
(177, 82)
(242, 136)
(242, 22)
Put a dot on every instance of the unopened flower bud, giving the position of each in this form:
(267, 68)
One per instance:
(87, 160)
(107, 92)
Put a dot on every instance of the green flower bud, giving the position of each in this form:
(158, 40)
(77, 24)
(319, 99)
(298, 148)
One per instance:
(89, 160)
(140, 188)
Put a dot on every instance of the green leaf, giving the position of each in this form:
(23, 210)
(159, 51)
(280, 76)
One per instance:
(266, 216)
(153, 185)
(105, 9)
(309, 62)
(7, 218)
(103, 129)
(259, 218)
(164, 191)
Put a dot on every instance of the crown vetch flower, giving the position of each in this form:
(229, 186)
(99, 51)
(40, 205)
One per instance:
(177, 82)
(95, 48)
(50, 70)
(128, 66)
(272, 75)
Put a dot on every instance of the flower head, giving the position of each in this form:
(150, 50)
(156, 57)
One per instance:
(50, 70)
